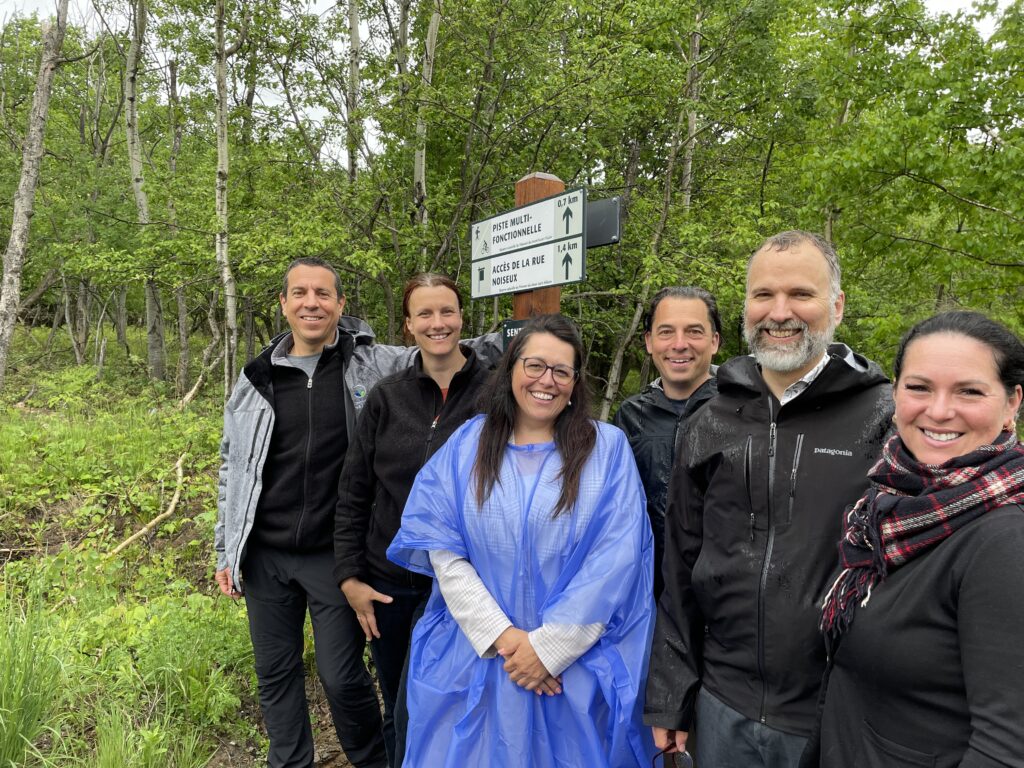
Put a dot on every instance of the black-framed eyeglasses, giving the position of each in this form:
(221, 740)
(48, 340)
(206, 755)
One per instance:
(673, 759)
(563, 375)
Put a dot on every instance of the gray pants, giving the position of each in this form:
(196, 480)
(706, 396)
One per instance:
(726, 739)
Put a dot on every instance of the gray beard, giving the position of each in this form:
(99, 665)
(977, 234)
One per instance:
(809, 349)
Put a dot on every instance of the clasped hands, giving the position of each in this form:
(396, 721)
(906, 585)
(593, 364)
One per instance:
(522, 664)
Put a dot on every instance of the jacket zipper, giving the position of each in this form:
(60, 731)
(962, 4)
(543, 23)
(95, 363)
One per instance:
(433, 424)
(792, 476)
(430, 435)
(438, 410)
(747, 459)
(762, 586)
(305, 470)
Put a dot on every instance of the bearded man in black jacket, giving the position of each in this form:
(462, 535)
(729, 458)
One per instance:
(756, 502)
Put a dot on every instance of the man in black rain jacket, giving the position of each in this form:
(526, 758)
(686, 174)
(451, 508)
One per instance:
(682, 332)
(755, 510)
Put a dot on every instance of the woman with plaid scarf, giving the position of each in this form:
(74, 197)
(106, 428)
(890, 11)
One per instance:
(926, 620)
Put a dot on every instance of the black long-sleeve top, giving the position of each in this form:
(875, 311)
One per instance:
(931, 673)
(405, 420)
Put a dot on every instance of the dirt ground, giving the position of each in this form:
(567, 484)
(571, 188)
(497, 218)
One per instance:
(328, 753)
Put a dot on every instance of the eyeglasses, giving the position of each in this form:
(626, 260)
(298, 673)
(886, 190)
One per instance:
(673, 759)
(562, 375)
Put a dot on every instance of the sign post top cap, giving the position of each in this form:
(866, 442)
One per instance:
(540, 175)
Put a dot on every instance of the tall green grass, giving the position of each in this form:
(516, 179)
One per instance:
(121, 740)
(29, 677)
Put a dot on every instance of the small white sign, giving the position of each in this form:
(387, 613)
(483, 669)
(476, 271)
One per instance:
(537, 267)
(550, 219)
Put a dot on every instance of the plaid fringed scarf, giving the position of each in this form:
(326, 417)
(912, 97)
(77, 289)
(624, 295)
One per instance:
(910, 508)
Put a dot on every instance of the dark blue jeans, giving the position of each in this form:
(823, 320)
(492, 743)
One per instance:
(726, 739)
(394, 622)
(279, 587)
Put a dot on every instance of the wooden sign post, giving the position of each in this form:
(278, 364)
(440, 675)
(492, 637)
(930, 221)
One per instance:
(541, 301)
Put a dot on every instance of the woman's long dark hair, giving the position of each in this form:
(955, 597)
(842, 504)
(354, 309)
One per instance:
(575, 434)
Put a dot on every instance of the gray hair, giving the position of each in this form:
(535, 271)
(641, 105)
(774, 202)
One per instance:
(786, 240)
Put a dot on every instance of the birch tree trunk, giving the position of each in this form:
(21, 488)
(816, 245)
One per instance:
(155, 351)
(181, 375)
(692, 95)
(419, 169)
(223, 259)
(354, 133)
(24, 198)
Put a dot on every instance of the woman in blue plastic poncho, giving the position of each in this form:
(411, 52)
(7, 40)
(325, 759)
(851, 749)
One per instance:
(533, 647)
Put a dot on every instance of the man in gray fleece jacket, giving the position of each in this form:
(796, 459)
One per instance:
(286, 428)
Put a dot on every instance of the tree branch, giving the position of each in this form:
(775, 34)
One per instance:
(179, 471)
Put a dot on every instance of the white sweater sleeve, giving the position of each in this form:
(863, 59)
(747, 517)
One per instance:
(474, 609)
(559, 645)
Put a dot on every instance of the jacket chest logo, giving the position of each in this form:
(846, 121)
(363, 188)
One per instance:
(834, 451)
(359, 395)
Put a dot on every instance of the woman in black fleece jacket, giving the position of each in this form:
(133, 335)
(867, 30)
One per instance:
(407, 417)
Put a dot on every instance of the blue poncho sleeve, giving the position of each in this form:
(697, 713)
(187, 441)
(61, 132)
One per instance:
(431, 519)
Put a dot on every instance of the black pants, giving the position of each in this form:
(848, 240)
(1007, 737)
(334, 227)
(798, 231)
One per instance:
(390, 650)
(279, 587)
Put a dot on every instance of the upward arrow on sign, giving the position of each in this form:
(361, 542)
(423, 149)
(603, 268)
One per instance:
(566, 262)
(567, 216)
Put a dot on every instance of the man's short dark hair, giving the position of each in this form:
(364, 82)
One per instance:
(685, 292)
(312, 261)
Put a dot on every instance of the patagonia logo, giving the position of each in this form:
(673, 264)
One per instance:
(834, 451)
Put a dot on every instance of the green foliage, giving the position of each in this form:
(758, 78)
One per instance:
(896, 130)
(150, 670)
(127, 660)
(49, 450)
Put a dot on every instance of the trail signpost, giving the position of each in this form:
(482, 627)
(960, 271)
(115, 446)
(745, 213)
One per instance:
(535, 248)
(537, 245)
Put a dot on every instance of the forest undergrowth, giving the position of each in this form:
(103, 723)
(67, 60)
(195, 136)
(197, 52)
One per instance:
(130, 657)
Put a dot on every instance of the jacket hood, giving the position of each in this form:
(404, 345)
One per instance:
(357, 328)
(846, 371)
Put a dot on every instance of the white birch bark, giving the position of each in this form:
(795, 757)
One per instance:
(173, 104)
(354, 133)
(222, 255)
(692, 95)
(419, 169)
(25, 196)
